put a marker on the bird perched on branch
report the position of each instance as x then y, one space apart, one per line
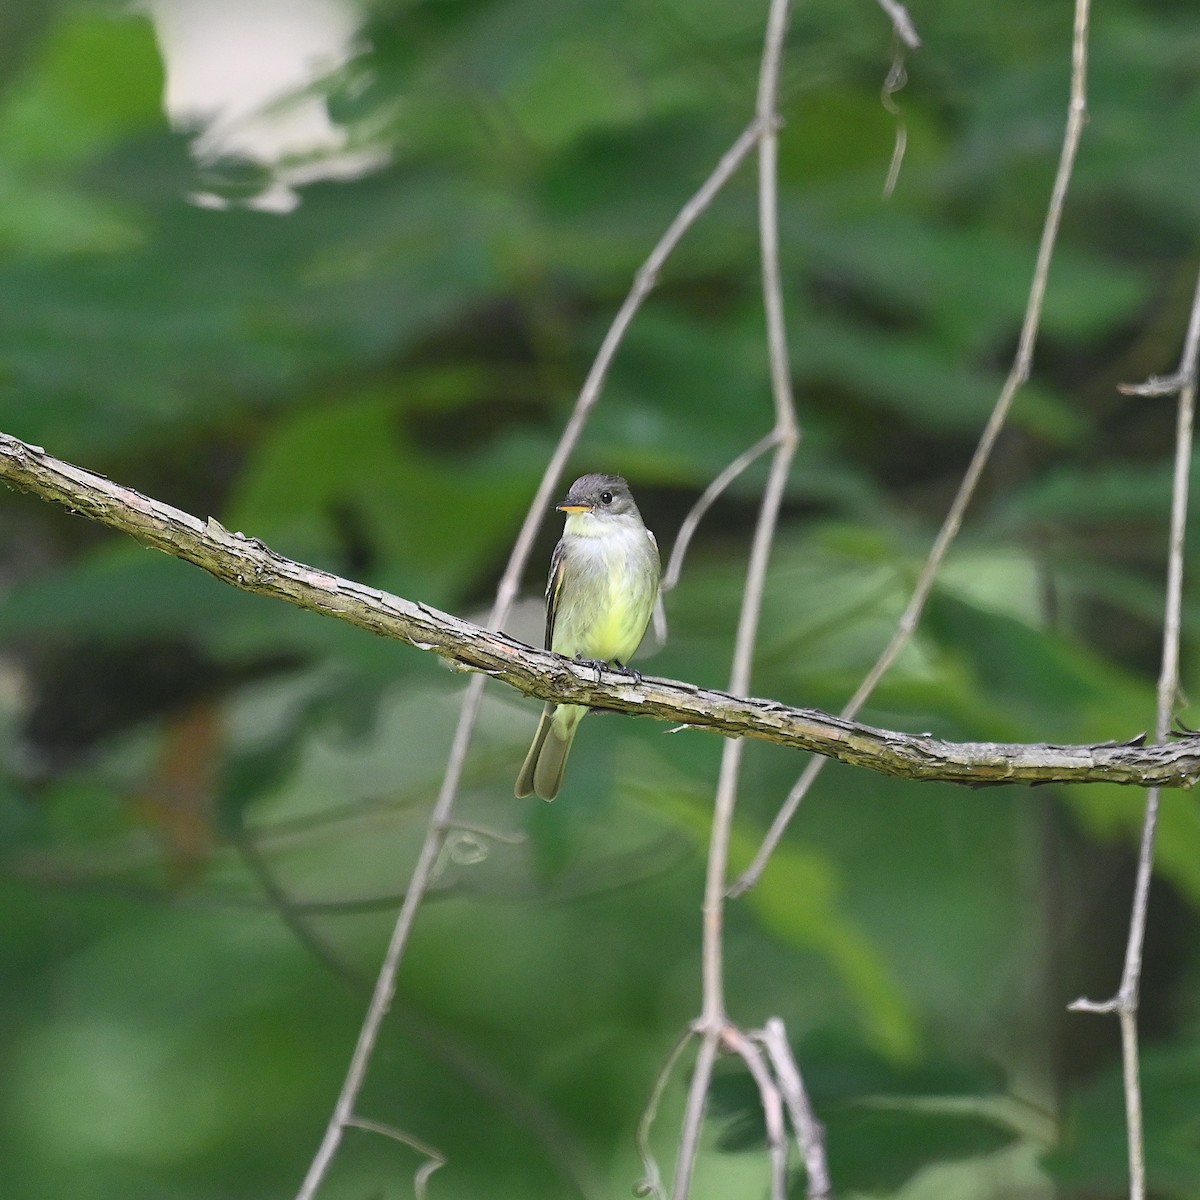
601 592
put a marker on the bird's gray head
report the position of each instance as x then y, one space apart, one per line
600 496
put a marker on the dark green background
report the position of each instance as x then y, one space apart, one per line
373 383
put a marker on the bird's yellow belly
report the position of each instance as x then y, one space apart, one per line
612 638
606 598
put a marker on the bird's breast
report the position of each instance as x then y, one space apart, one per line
607 597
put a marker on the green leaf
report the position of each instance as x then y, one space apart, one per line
351 472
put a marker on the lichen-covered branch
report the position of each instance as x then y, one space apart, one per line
246 563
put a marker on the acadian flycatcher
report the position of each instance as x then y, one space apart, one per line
601 592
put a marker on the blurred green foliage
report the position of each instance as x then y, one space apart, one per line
373 382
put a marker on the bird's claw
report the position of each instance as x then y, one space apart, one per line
597 664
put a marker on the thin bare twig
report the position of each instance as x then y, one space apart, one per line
506 593
1125 1003
1018 374
651 1184
810 1134
707 499
1156 385
693 1118
772 1102
385 986
902 23
713 1019
692 521
487 834
436 1159
897 77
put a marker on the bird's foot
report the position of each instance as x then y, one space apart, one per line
597 664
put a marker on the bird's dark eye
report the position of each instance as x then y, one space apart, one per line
606 497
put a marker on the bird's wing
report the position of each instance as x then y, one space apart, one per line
553 587
654 543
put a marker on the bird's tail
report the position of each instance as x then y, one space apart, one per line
546 763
